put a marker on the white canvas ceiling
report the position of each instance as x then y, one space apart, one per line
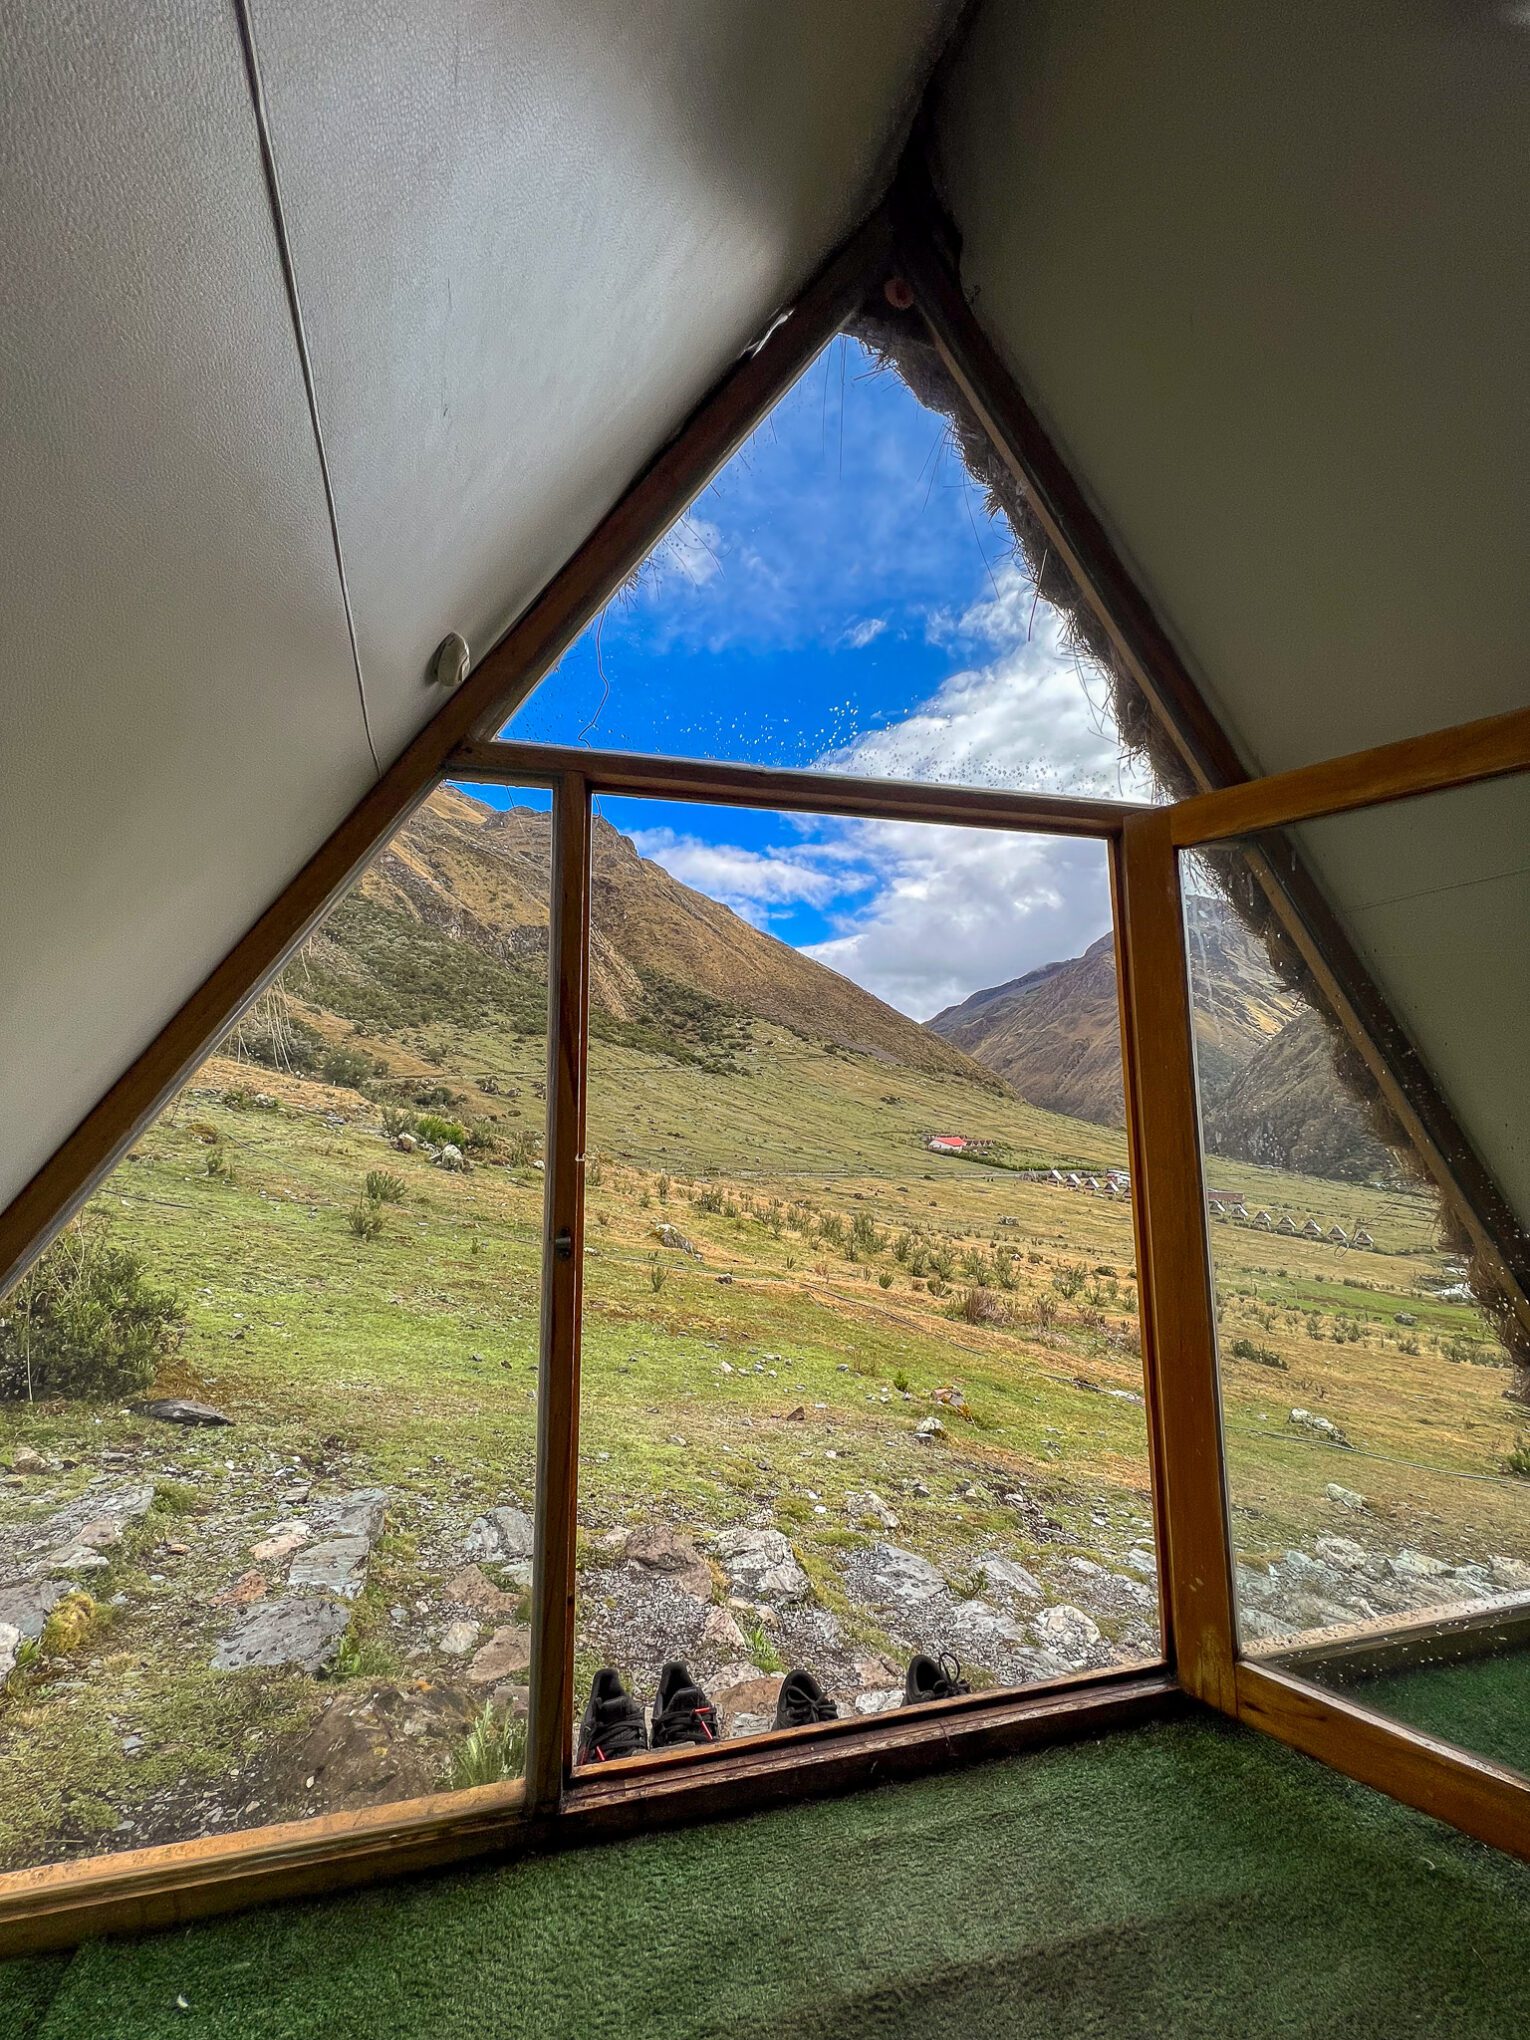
525 241
1265 276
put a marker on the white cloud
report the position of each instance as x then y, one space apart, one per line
957 909
953 909
858 635
1027 719
749 881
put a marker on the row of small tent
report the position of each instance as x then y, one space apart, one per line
1117 1183
1309 1229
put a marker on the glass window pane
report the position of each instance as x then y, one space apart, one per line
861 1376
1374 1376
267 1409
844 598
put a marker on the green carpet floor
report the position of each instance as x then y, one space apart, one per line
1482 1703
1186 1880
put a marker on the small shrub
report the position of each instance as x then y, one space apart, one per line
219 1164
173 1498
658 1274
831 1230
1262 1356
761 1651
1070 1278
365 1219
439 1132
522 1150
1518 1460
394 1122
363 1657
864 1236
1043 1312
662 1187
84 1322
900 1382
383 1187
709 1201
884 1280
491 1753
434 1094
979 1306
348 1068
73 1622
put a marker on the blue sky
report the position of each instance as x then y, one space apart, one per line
838 598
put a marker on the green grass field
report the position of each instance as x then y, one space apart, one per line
408 1361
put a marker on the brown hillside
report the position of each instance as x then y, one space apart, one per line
1055 1035
1286 1110
1269 1090
481 876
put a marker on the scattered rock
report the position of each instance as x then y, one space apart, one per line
247 1589
1142 1558
881 1702
358 1514
300 1630
867 1506
798 1415
1003 1576
372 1745
1405 1317
760 1564
458 1638
720 1633
76 1558
669 1551
748 1708
451 1157
10 1645
1343 1552
506 1655
281 1542
671 1236
25 1460
28 1606
178 1409
1344 1496
892 1577
338 1566
1417 1565
1509 1575
929 1427
978 1630
1066 1631
502 1536
405 1143
1320 1427
472 1588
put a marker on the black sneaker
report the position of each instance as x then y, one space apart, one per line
932 1679
801 1700
682 1713
613 1724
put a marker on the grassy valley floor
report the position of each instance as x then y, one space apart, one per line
783 1285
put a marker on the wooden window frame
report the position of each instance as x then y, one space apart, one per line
555 1805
